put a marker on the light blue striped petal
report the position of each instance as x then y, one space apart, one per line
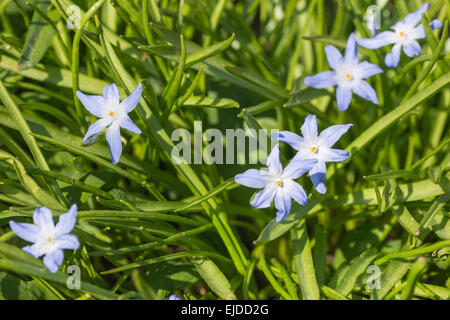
114 142
42 217
365 91
132 100
296 192
274 163
318 174
331 135
282 203
111 94
264 198
412 49
334 57
383 39
253 178
67 241
96 128
309 128
392 58
26 231
66 221
297 167
128 124
321 80
351 51
294 140
94 104
53 260
343 97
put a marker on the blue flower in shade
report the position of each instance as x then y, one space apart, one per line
113 114
404 35
348 75
174 297
49 240
277 183
316 146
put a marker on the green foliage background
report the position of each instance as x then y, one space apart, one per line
149 227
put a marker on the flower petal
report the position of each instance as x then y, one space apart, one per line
414 18
292 139
343 97
297 167
35 250
366 70
333 155
334 57
392 58
274 163
66 221
282 203
309 128
412 49
351 50
132 100
42 217
264 198
253 178
365 91
111 94
26 231
114 142
96 128
318 174
383 39
67 241
94 104
128 124
331 135
296 192
53 260
321 80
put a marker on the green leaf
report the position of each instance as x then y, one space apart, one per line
38 38
208 102
14 288
214 278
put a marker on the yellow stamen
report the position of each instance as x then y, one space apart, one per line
111 114
402 34
278 182
348 76
49 239
313 149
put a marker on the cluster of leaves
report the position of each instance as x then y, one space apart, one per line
149 227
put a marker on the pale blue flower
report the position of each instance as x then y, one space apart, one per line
316 146
404 35
348 75
277 183
174 297
49 240
113 114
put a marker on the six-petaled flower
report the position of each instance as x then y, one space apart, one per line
404 35
48 239
113 114
277 183
316 146
348 75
